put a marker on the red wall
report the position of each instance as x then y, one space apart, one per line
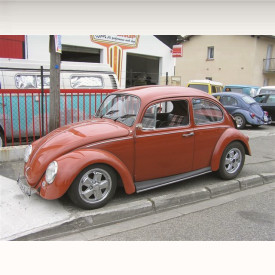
12 46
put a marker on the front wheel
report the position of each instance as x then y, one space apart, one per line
232 161
93 187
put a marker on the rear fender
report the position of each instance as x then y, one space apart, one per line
230 135
71 164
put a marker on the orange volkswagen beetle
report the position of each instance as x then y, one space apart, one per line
145 137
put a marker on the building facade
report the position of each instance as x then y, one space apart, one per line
230 59
136 59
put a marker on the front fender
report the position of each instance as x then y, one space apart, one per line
71 164
230 135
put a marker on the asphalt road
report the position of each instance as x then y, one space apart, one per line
251 218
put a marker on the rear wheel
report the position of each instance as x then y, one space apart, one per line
232 161
93 187
240 121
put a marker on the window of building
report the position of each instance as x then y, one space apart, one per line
210 53
206 112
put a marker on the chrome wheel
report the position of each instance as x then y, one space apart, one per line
95 185
233 160
240 121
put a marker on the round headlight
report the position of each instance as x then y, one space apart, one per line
51 172
28 152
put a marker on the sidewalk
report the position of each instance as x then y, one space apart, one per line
23 216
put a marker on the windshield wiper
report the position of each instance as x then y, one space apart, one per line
109 113
124 116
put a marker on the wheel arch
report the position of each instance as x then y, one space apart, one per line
71 164
229 136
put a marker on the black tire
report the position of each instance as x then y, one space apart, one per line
232 161
93 187
240 121
2 139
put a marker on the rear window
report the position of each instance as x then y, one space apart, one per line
201 87
248 99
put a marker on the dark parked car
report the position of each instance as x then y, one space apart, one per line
267 102
244 109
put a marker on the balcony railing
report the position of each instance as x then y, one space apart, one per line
269 65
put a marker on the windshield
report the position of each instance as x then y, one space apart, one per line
248 99
201 87
120 107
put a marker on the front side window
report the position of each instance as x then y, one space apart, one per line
24 81
210 53
119 107
84 82
206 111
271 99
166 114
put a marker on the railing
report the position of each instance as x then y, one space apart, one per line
269 65
21 112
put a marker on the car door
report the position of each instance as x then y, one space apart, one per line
208 127
164 142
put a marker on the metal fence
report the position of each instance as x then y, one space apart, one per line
22 112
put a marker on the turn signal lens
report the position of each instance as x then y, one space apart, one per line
252 115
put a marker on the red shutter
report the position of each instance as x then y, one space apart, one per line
12 46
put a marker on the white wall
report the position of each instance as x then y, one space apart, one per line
38 49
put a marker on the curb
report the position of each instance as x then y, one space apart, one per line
12 153
120 212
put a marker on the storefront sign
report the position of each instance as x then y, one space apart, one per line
58 46
125 41
115 45
177 51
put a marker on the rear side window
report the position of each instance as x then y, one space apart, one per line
85 82
206 111
228 101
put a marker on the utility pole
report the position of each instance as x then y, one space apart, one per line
55 60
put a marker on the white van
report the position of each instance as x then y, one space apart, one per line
266 90
26 74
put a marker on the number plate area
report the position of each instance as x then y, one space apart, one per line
25 188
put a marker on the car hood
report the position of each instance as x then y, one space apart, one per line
68 138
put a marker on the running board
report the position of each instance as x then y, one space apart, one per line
151 184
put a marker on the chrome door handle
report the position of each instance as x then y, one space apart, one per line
188 135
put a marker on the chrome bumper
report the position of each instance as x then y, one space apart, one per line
24 186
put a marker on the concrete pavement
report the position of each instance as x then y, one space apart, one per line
24 218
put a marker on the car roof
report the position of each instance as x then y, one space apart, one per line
240 86
153 92
268 87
